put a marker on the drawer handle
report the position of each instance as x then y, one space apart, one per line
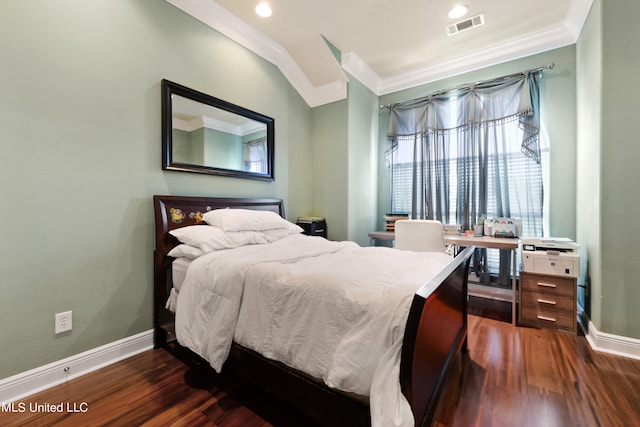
547 285
548 319
546 301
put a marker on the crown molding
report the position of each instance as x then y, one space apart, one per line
220 19
577 16
354 65
564 35
313 95
520 48
223 21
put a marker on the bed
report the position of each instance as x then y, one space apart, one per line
429 353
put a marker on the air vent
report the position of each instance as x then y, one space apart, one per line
465 25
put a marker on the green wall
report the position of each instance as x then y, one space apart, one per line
223 149
182 148
81 159
608 64
558 116
330 153
588 153
345 156
363 162
620 153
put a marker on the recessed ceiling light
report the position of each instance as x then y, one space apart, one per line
458 11
263 9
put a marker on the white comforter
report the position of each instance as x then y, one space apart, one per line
334 310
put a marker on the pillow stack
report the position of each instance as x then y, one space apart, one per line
231 228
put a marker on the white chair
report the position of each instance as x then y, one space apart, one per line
419 235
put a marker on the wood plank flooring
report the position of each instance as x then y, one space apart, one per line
529 377
513 377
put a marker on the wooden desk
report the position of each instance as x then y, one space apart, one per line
478 242
381 235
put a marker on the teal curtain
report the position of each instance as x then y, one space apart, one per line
469 152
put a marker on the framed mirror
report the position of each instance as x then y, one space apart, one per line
204 134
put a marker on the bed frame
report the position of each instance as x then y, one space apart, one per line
434 340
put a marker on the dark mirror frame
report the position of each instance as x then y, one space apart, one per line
170 88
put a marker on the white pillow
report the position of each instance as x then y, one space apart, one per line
208 238
294 228
185 251
278 234
245 220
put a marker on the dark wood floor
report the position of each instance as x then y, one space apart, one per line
513 377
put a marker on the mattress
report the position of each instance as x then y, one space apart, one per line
179 268
334 310
179 271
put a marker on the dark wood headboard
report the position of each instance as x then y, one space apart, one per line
173 212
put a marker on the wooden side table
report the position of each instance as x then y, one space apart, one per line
548 302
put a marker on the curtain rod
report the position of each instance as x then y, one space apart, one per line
531 70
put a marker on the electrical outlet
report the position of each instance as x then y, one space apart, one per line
63 322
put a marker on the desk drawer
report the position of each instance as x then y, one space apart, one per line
540 317
547 301
548 284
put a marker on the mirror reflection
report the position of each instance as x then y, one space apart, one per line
207 135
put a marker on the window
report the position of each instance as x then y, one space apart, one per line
255 159
458 156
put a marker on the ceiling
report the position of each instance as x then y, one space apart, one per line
388 45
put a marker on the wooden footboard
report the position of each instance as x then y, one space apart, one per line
435 334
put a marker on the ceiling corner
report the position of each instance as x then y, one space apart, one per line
220 19
355 66
577 16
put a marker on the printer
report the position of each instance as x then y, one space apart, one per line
553 256
503 227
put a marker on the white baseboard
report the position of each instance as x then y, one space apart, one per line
609 343
30 382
